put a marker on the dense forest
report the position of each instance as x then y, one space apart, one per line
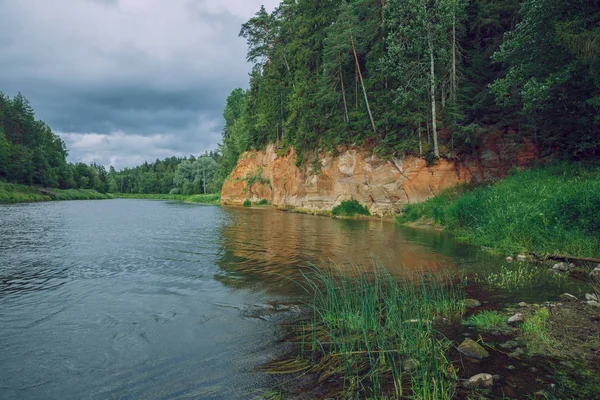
31 154
426 77
174 175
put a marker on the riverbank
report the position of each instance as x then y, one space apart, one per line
13 193
194 198
551 210
438 336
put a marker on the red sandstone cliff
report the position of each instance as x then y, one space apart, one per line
384 186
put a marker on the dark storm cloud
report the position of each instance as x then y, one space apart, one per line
125 81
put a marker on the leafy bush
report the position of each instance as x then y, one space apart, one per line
349 208
263 202
247 203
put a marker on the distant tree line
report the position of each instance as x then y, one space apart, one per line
31 154
175 175
426 77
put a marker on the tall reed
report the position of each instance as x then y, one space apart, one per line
376 332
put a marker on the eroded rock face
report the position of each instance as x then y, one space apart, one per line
384 186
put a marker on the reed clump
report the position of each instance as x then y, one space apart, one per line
375 333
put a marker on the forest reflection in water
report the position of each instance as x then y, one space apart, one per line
263 245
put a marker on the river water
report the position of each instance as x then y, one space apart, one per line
137 299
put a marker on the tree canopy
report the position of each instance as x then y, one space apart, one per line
418 76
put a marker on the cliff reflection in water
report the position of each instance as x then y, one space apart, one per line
264 244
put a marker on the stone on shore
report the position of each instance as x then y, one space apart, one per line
567 297
591 297
516 318
522 304
472 303
562 267
472 349
479 381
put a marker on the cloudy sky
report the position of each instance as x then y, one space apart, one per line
123 81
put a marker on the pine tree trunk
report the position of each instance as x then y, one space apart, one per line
363 86
443 97
344 95
356 86
436 150
420 141
453 79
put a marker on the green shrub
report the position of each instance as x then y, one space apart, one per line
247 203
349 208
263 202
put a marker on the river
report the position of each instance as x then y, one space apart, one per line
131 299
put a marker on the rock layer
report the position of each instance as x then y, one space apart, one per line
384 186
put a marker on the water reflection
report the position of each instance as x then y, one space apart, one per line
263 247
265 244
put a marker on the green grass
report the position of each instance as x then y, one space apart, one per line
193 198
547 210
204 198
13 193
434 210
349 208
489 321
519 276
537 333
595 283
374 333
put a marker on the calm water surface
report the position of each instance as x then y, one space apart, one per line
134 299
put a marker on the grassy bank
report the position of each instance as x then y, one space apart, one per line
369 334
374 334
12 193
194 198
548 210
